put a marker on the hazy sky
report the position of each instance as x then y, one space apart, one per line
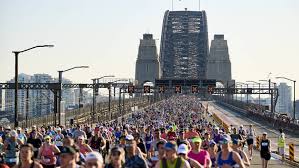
104 34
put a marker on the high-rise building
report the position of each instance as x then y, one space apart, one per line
297 109
68 95
219 65
284 102
184 45
22 94
147 64
42 100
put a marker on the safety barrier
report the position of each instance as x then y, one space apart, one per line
220 122
291 152
257 139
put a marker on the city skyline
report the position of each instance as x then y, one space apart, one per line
105 36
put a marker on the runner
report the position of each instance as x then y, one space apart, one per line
171 158
83 147
11 149
183 153
68 157
26 158
213 152
47 153
133 159
58 138
265 150
157 138
227 158
94 160
116 158
35 140
237 148
200 155
250 140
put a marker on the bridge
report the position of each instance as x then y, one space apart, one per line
219 102
184 61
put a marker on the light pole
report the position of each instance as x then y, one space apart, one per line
109 100
259 91
95 81
60 90
294 101
241 83
17 80
270 92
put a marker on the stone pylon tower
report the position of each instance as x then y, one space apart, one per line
219 65
147 64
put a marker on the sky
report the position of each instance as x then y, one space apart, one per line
104 34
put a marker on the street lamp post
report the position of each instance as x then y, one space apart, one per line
17 80
259 91
294 101
270 92
96 81
60 90
109 100
241 83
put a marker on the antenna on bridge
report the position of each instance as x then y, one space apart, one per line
198 5
268 77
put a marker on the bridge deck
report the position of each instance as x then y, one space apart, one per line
233 118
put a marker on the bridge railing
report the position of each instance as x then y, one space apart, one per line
85 114
254 111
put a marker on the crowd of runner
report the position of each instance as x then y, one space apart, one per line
173 133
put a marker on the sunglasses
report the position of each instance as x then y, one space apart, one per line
224 142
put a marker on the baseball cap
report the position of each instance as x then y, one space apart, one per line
265 133
47 137
8 127
183 148
94 156
19 129
225 139
13 133
129 137
196 139
116 149
170 146
68 150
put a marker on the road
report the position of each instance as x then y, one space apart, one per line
233 118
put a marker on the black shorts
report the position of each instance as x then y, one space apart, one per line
249 142
266 155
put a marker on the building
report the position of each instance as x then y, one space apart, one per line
22 94
42 101
219 65
147 64
184 45
284 102
68 95
297 109
82 98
